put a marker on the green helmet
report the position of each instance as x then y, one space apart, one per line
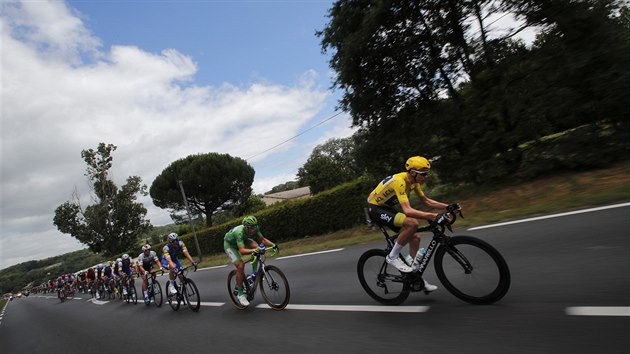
250 221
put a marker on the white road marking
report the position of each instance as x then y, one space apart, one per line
216 267
310 254
97 302
213 304
355 308
598 311
550 216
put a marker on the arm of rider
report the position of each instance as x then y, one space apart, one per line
415 213
189 257
243 250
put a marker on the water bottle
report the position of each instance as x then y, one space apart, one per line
251 278
420 255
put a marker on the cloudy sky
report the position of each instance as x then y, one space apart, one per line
160 80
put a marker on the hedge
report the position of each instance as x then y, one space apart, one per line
338 208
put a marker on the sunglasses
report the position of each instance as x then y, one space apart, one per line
421 173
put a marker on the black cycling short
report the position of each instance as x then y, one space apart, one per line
385 216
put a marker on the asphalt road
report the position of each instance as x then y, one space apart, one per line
570 293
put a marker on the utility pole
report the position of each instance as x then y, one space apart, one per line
181 187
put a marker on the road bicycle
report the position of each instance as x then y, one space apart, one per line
131 295
61 294
105 287
154 290
186 291
469 268
272 282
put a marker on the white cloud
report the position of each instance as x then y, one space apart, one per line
62 93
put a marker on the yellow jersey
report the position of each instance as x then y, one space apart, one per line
393 190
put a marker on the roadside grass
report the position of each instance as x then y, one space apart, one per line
3 302
490 204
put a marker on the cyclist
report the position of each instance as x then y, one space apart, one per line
170 258
395 190
240 240
116 267
145 262
91 280
108 276
126 269
99 278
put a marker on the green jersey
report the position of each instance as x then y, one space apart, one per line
237 236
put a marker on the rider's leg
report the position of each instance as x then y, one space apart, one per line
240 275
409 226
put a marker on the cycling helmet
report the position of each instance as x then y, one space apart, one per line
146 247
119 260
417 163
172 237
250 221
99 266
125 256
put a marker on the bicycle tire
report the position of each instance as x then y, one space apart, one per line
172 299
231 287
133 294
487 282
191 293
378 278
271 286
156 293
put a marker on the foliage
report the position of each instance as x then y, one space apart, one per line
313 215
113 224
16 277
419 79
212 182
330 164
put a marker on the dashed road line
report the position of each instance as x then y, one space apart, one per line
310 254
355 308
598 311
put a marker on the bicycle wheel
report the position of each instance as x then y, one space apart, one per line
383 282
133 296
191 293
172 299
274 287
472 270
156 293
232 289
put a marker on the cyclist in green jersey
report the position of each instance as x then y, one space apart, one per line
395 190
241 240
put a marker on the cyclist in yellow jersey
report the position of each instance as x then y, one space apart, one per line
394 190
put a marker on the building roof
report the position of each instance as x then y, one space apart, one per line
286 195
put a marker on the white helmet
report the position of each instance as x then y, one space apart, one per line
99 266
146 247
172 237
119 260
125 256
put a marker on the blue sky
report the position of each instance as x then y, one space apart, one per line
161 80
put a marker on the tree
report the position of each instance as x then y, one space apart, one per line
212 182
330 164
418 74
115 222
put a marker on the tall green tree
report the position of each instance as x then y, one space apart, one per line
212 182
330 164
114 223
420 79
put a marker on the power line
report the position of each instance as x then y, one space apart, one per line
313 127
